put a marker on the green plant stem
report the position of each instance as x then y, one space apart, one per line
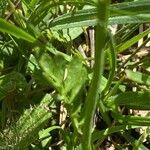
92 97
112 60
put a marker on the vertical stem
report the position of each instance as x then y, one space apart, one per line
92 97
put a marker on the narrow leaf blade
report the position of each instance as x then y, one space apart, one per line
15 31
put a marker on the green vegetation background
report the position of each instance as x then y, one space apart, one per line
59 90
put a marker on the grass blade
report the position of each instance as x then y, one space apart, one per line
123 13
138 77
132 120
133 100
15 31
99 134
132 41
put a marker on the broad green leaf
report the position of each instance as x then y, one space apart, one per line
67 77
76 76
15 31
54 69
133 100
30 123
138 77
34 69
53 65
21 134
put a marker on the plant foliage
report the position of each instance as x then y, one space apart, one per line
74 74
